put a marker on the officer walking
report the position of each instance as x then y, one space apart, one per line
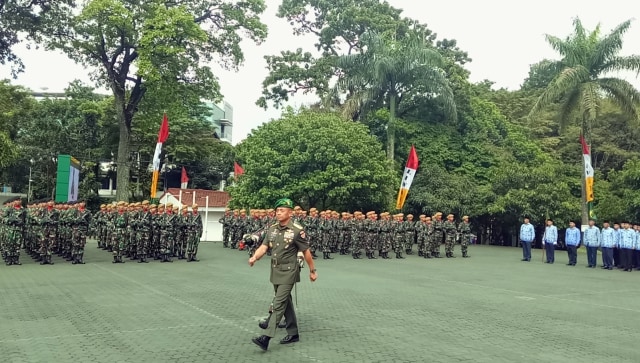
285 239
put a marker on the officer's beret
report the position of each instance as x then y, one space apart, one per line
449 215
465 217
284 202
437 214
120 203
185 207
169 205
152 206
145 202
196 206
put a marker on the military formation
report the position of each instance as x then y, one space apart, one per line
43 229
142 231
354 233
138 231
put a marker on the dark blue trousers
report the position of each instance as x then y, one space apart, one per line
573 254
607 256
526 250
592 256
551 252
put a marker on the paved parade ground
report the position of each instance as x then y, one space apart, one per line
489 308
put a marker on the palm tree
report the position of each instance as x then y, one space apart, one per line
581 82
386 71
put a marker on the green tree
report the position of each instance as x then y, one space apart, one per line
388 71
580 83
25 17
16 105
316 159
137 46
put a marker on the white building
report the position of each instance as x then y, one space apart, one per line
211 205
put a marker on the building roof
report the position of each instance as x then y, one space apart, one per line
217 199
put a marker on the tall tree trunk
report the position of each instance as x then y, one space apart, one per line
124 167
391 131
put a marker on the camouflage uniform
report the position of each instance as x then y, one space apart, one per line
167 233
465 235
438 235
409 234
14 218
326 226
194 234
372 230
226 223
119 236
144 227
49 223
399 228
450 234
79 226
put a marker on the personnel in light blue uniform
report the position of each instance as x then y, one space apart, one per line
617 261
607 242
572 240
592 242
550 240
527 235
628 242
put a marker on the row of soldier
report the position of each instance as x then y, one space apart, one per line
142 230
346 233
42 229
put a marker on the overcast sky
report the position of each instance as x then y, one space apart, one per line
503 37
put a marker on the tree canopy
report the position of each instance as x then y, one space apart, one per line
316 159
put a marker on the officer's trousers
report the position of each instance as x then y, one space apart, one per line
282 306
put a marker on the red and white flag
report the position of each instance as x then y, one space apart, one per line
184 179
163 134
407 178
237 170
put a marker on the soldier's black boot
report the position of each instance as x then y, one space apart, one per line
143 259
355 256
225 245
427 255
80 258
465 255
329 256
368 255
420 253
400 255
16 260
451 255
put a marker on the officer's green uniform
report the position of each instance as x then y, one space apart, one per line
285 242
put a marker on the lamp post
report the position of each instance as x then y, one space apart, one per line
29 192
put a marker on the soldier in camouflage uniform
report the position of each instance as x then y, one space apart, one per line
345 233
464 229
312 228
325 227
226 222
409 234
194 234
428 231
167 233
14 217
420 235
357 234
399 235
438 235
49 223
119 236
450 234
156 230
81 218
182 231
63 247
143 230
372 229
385 235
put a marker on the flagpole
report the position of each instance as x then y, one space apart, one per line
194 198
206 218
180 198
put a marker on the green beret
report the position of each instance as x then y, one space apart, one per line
284 202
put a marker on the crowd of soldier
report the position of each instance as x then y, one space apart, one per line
352 233
43 229
136 230
140 230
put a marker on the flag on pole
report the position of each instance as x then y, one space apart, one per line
163 134
409 172
588 176
184 179
237 170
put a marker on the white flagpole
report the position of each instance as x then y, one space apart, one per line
194 198
206 218
180 198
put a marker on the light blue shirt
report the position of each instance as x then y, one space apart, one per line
550 235
616 235
627 238
527 232
592 237
608 237
572 236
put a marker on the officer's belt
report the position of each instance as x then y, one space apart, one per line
277 262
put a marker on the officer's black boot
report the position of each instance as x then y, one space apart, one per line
354 255
81 258
420 253
369 255
465 254
143 259
329 256
16 260
400 255
73 260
